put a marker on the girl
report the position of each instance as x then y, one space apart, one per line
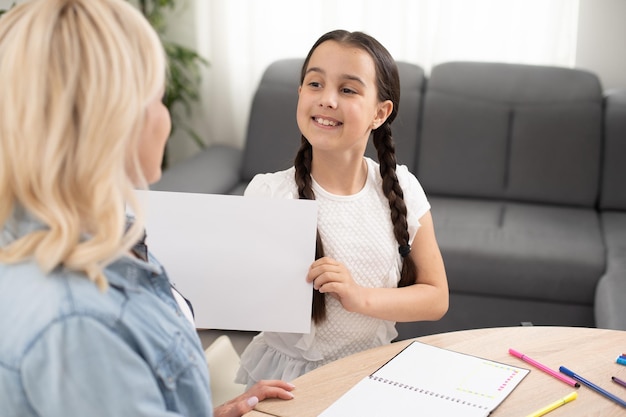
378 261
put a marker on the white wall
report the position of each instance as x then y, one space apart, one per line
182 29
601 40
600 49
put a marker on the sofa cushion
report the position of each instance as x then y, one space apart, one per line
515 132
519 250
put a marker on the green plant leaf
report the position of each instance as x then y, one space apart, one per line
184 69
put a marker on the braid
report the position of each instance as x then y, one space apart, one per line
383 141
302 165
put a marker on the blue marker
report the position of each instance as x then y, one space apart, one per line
593 386
621 360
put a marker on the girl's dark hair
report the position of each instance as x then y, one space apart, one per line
388 85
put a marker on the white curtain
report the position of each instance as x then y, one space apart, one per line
241 37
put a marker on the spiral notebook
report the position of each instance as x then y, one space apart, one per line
432 381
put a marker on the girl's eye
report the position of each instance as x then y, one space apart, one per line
346 90
314 84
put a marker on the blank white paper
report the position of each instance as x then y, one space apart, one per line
241 261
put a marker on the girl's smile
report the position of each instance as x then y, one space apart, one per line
326 121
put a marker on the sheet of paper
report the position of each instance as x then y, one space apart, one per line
241 261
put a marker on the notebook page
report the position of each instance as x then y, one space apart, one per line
465 378
430 381
372 398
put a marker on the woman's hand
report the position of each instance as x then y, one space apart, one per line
332 277
245 402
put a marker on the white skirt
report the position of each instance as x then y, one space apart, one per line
286 356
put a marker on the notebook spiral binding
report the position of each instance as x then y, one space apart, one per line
426 392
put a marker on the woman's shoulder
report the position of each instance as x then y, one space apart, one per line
280 184
36 301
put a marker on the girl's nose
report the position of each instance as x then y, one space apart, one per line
328 99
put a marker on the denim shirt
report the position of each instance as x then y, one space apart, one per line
69 349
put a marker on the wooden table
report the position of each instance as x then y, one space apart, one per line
588 352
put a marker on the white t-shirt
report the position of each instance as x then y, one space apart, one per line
357 231
184 307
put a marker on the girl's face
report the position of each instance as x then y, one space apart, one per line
338 100
156 130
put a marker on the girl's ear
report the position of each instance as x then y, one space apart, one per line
383 111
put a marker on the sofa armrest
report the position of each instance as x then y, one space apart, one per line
609 305
610 309
214 170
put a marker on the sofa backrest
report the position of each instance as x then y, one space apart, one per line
613 193
513 132
273 137
405 129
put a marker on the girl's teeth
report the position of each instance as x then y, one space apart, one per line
326 122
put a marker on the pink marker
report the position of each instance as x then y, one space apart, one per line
544 368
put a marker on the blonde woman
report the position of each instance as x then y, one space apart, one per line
89 325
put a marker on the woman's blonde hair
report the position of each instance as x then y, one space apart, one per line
77 76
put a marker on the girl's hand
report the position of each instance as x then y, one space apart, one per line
240 405
332 277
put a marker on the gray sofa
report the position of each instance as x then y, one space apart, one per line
523 168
